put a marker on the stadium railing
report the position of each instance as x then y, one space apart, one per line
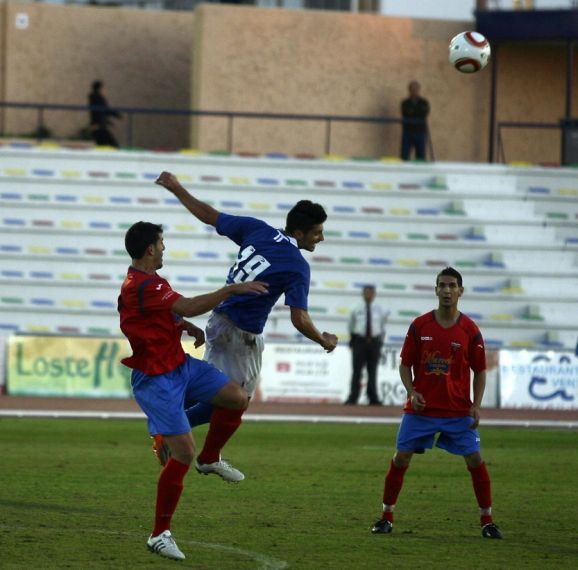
231 116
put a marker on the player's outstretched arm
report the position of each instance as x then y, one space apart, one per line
193 306
301 320
202 211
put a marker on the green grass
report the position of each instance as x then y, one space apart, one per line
80 494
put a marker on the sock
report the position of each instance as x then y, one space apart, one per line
482 489
391 489
224 424
169 489
199 414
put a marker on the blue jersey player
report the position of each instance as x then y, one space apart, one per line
234 341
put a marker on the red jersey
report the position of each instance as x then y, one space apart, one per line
441 360
146 319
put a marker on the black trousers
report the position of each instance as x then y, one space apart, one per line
103 137
365 353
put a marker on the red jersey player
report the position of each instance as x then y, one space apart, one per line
440 349
163 376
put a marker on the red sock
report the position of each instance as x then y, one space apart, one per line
169 489
391 488
224 424
483 491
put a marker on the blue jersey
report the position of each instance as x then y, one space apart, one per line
265 254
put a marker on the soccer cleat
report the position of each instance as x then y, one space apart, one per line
221 468
164 545
161 449
382 527
490 530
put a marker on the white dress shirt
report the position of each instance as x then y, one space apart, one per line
358 320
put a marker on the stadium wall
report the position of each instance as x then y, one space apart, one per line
143 57
247 59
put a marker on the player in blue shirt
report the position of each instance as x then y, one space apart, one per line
234 341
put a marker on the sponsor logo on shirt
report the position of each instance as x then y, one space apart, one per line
427 338
435 364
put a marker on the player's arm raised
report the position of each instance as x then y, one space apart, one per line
301 320
202 211
193 306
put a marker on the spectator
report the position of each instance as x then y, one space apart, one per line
367 333
414 111
100 114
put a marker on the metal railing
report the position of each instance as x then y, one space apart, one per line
230 116
516 125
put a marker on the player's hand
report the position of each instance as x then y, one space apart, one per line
475 413
168 180
194 331
256 287
329 341
417 401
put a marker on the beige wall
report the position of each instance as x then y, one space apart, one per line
240 58
260 60
144 58
532 88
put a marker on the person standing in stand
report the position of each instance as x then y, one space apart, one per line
367 334
100 114
414 111
440 349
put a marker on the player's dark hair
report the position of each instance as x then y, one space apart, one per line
450 272
304 215
139 236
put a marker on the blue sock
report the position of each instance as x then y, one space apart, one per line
199 414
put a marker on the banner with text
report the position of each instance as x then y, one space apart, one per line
305 373
531 379
70 366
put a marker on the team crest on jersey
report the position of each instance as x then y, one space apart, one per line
455 346
435 364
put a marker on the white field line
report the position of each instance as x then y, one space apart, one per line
266 562
80 414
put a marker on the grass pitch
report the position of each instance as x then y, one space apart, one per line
80 494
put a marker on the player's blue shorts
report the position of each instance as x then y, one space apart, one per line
162 397
416 433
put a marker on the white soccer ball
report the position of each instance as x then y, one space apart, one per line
469 52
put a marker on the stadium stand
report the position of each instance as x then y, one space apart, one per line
511 231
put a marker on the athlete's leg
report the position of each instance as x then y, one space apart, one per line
482 485
170 484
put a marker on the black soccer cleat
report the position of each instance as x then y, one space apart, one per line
490 530
382 527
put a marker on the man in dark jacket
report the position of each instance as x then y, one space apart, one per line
99 116
414 111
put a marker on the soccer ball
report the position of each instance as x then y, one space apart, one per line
469 52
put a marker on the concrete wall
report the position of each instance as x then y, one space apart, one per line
241 58
532 88
143 57
261 60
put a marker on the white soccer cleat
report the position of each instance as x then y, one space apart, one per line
164 545
221 468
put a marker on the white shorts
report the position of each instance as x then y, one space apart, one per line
235 352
